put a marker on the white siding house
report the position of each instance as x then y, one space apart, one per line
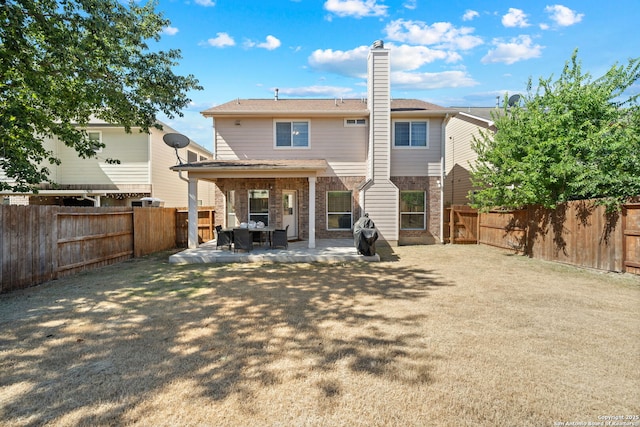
143 171
460 156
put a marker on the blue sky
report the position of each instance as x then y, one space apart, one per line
451 53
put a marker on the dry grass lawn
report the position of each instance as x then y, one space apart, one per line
434 335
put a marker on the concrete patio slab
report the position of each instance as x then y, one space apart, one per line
326 250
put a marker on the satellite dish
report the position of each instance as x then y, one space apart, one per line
176 140
513 100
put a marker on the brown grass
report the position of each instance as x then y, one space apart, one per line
435 335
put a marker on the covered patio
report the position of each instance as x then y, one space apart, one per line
326 250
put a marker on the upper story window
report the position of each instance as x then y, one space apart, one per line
95 138
355 122
292 134
410 134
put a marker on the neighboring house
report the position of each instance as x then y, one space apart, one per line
143 171
459 155
317 165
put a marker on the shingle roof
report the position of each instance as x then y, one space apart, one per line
275 164
482 112
312 106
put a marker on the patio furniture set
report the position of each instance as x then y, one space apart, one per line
243 238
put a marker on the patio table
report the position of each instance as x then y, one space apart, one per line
268 230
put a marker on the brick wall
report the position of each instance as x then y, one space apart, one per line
429 184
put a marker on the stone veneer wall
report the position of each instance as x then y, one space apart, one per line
429 184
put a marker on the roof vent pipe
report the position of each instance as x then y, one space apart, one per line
378 44
275 98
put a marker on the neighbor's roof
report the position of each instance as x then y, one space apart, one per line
480 112
335 107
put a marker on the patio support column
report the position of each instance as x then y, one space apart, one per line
312 212
192 216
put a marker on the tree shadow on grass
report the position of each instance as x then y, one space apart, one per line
95 347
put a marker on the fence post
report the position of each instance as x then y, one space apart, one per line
452 225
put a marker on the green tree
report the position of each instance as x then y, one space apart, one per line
573 138
64 61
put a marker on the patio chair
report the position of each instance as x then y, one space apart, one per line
242 240
279 238
223 238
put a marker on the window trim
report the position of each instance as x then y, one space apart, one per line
423 213
99 132
258 213
410 147
191 153
350 213
291 147
355 122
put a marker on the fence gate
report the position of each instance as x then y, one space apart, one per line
462 226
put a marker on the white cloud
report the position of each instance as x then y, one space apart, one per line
271 43
318 92
405 57
222 40
355 8
563 16
544 26
411 4
515 18
351 63
441 34
170 31
469 15
518 49
421 81
206 3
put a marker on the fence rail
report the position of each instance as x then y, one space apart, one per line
579 233
41 243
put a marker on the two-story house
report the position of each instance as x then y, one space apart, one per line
461 131
317 165
143 171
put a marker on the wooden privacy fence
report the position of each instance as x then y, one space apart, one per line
631 232
461 225
41 243
578 233
206 220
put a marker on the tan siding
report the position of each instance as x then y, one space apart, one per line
459 156
130 149
167 184
380 105
419 161
344 148
381 203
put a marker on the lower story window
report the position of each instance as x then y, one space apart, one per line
259 206
339 208
412 210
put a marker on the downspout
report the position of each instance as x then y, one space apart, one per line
96 200
443 141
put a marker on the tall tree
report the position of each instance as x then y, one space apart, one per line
64 61
573 138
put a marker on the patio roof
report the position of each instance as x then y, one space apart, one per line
253 168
